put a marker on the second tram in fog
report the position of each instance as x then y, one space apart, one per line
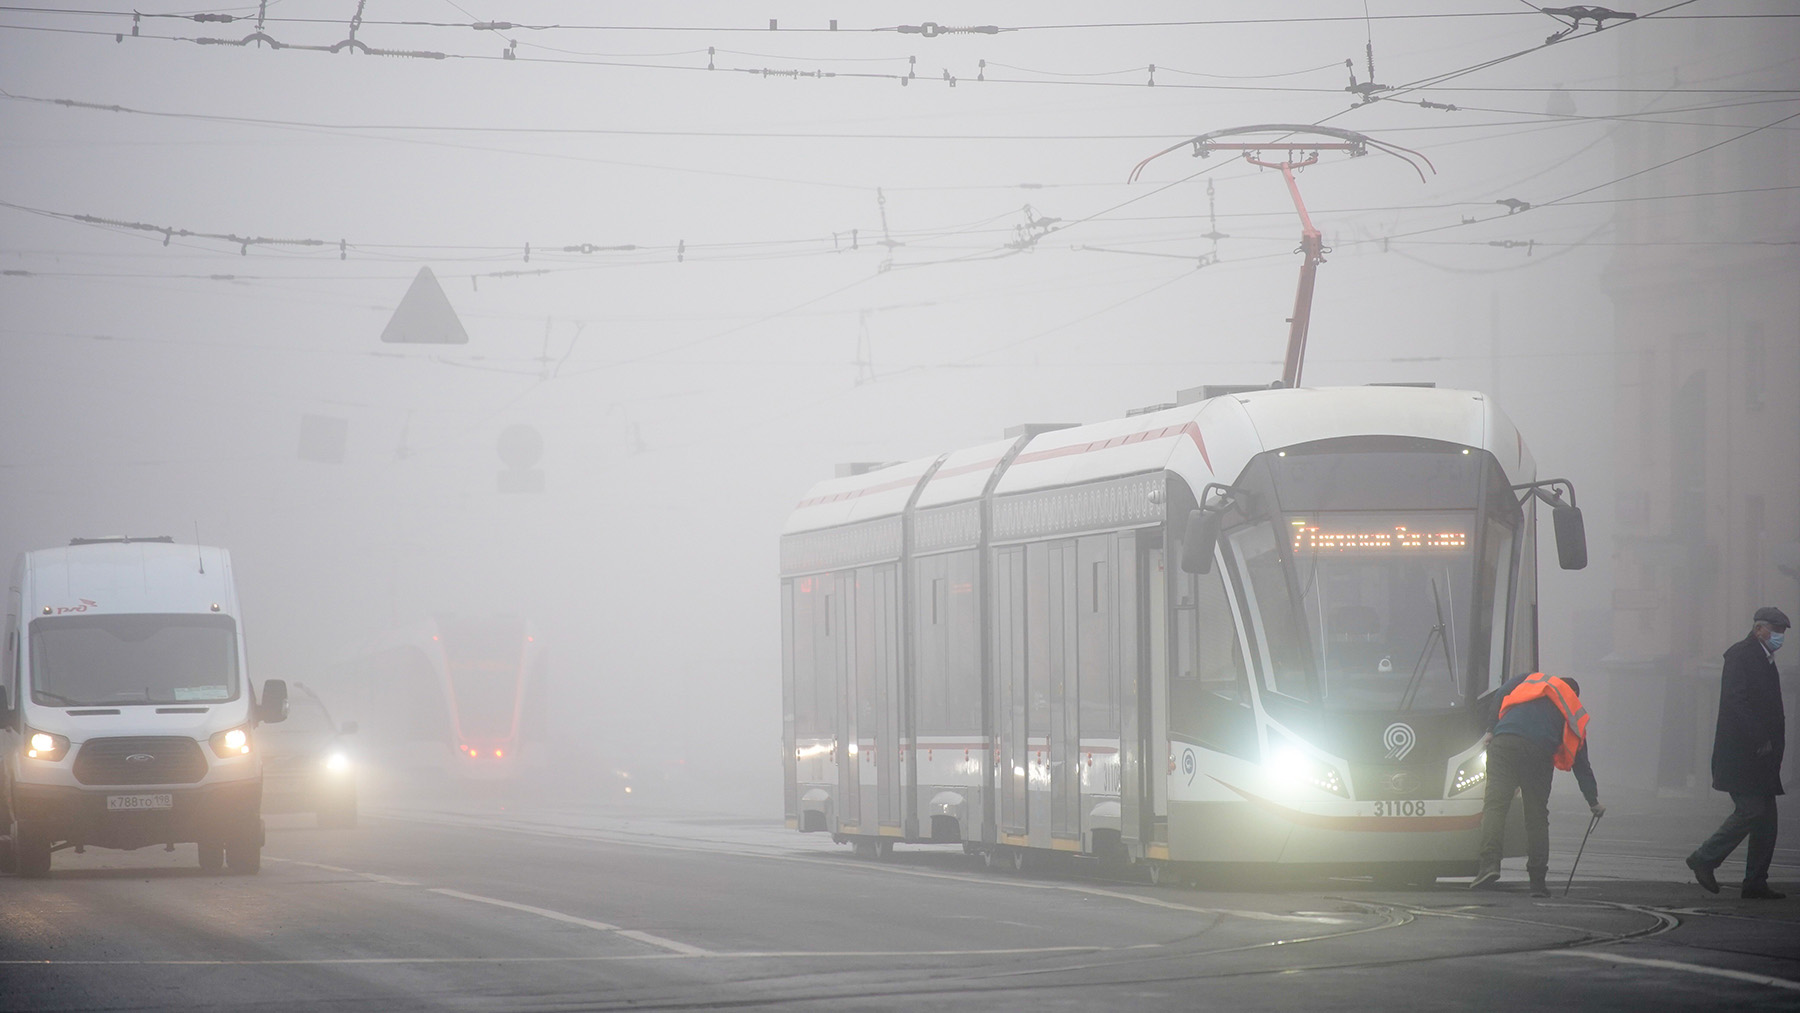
1259 627
460 695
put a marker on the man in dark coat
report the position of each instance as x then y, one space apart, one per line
1746 758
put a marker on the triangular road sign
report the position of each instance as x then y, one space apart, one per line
425 316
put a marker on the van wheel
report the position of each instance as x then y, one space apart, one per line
243 852
212 857
244 857
31 850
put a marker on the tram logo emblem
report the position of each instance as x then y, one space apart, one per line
1399 738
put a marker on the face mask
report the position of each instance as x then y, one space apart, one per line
1775 640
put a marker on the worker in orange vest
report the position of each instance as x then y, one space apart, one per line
1541 727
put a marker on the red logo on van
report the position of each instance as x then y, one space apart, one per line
86 603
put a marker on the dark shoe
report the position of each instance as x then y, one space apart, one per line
1485 879
1703 874
1538 887
1761 892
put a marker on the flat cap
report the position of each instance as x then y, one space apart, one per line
1771 615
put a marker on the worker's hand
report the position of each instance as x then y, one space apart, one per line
1765 749
1597 809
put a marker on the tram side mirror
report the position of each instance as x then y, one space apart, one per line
1198 539
1571 537
274 706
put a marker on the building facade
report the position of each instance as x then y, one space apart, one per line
1705 284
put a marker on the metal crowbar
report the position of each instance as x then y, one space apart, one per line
1584 837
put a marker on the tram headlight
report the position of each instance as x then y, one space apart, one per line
1289 764
338 762
1470 775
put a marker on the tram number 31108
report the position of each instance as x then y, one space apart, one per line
1406 808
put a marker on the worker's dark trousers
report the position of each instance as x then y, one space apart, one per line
1516 763
1754 818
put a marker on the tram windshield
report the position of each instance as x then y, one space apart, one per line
1379 581
1387 598
484 659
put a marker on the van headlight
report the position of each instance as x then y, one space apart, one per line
1290 764
45 745
231 742
1471 775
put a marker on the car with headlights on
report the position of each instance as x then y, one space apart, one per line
307 764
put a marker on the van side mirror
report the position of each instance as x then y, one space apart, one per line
347 728
274 706
1199 537
1571 537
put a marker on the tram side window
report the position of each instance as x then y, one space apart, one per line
948 668
1524 629
1096 657
866 657
815 669
800 654
962 656
1495 572
1209 692
1283 633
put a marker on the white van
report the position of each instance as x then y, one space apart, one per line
126 713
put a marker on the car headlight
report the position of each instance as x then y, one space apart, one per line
1471 775
337 763
1289 764
231 742
45 745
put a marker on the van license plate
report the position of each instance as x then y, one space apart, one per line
133 802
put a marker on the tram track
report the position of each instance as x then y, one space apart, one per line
976 984
1171 963
1394 916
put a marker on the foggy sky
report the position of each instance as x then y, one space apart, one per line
685 406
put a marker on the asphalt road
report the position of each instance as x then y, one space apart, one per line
475 905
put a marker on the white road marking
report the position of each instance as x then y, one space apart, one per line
671 945
670 844
1676 965
373 877
642 937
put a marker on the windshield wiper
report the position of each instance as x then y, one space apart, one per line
1438 634
56 698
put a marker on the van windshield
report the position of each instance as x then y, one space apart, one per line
89 660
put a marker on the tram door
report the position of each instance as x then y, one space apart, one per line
840 640
886 623
1151 788
1126 625
874 650
1011 757
1062 752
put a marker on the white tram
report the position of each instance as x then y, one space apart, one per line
1257 627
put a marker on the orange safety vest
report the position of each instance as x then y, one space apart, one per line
1575 716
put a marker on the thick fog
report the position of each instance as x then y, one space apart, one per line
705 288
